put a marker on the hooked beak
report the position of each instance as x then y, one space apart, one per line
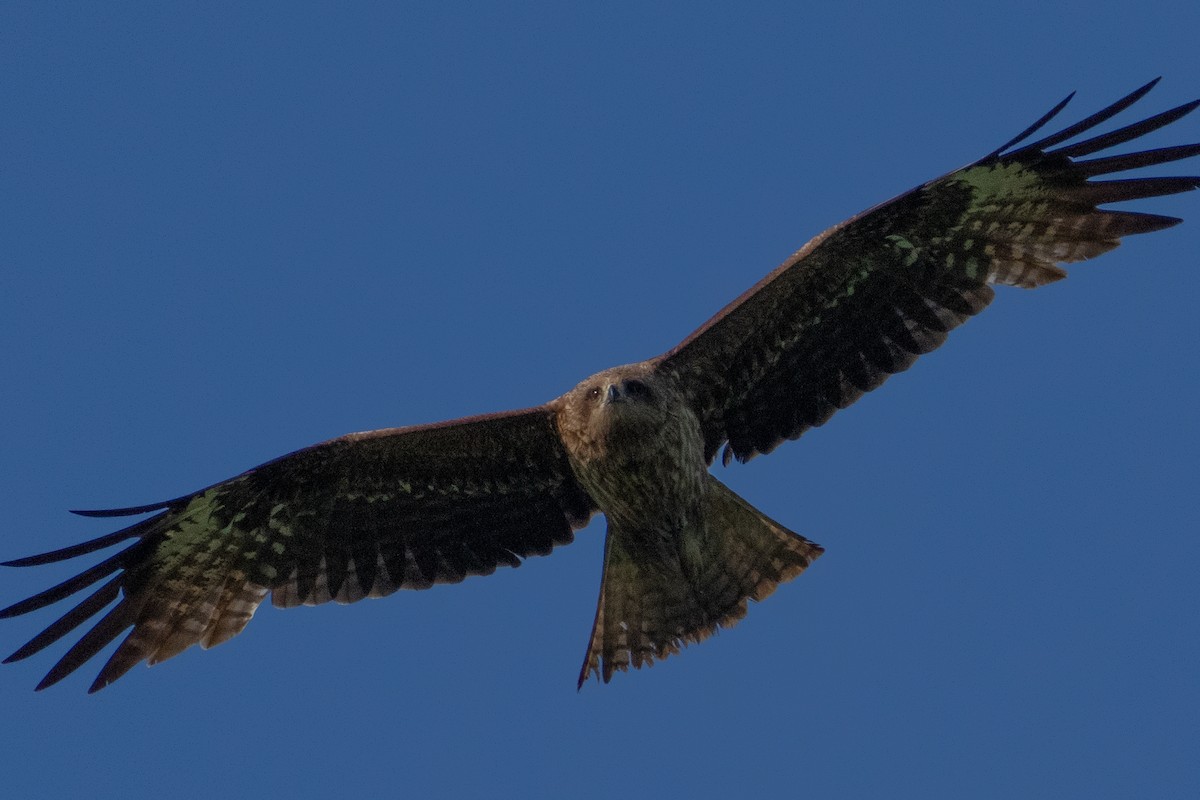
630 389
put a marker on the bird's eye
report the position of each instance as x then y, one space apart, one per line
593 393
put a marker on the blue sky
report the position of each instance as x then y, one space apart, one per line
233 231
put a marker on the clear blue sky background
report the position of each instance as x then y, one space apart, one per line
233 230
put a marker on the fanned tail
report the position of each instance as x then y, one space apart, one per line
655 600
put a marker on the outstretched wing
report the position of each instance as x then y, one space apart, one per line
864 299
360 516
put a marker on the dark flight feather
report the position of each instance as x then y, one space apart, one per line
83 548
1087 123
1128 133
1145 158
70 621
862 300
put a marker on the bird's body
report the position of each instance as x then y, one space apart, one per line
684 553
635 446
406 508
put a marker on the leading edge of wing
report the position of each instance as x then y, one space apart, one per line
736 327
1111 164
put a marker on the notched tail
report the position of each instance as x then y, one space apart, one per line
653 603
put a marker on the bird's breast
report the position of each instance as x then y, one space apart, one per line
645 471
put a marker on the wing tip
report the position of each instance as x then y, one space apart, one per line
83 548
1034 128
1157 222
127 512
1085 124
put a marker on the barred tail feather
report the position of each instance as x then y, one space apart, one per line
757 553
655 602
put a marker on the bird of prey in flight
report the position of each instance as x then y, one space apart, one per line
406 508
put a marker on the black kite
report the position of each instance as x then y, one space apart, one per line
406 508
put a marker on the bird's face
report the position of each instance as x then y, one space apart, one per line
628 390
622 402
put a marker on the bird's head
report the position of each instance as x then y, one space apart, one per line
626 401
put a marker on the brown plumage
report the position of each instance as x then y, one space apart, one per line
407 508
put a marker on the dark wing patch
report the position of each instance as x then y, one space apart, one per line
863 300
360 516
